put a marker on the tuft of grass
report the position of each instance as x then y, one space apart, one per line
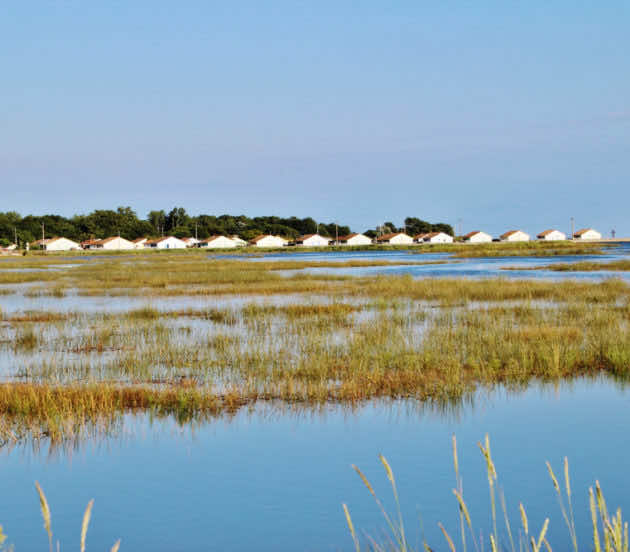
26 339
45 509
622 265
46 515
612 527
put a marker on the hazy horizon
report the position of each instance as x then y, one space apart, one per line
504 116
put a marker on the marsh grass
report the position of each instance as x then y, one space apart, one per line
26 339
344 340
621 265
528 249
58 413
612 528
341 352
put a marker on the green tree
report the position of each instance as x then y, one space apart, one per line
157 220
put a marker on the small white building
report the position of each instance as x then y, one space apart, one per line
115 243
190 242
476 236
587 234
395 238
354 239
552 235
167 242
515 236
267 240
419 238
139 243
312 240
239 242
56 244
437 237
217 242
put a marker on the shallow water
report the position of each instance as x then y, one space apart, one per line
276 481
72 302
478 267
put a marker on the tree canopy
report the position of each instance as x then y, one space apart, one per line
177 222
412 226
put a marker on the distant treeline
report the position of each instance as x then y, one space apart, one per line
176 222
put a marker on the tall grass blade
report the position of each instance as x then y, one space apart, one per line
567 483
43 504
508 527
86 521
492 477
351 527
524 521
458 493
596 542
387 517
448 538
392 480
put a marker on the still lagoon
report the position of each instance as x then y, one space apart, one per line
274 480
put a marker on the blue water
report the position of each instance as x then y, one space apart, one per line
481 267
276 481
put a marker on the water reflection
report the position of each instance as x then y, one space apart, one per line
478 267
272 478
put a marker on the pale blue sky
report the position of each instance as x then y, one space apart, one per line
503 114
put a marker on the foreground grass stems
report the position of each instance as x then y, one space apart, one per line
612 527
45 510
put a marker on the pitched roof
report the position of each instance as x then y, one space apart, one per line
138 240
433 234
158 240
260 237
307 236
546 233
509 233
584 231
112 238
349 236
212 238
473 233
49 240
387 237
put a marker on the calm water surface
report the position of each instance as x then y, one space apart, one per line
270 480
275 481
479 267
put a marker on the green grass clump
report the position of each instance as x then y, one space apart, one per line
622 265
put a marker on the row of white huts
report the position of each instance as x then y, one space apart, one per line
118 243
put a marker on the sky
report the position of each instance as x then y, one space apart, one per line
492 115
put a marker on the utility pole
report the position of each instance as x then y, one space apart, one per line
572 228
43 233
196 239
336 232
